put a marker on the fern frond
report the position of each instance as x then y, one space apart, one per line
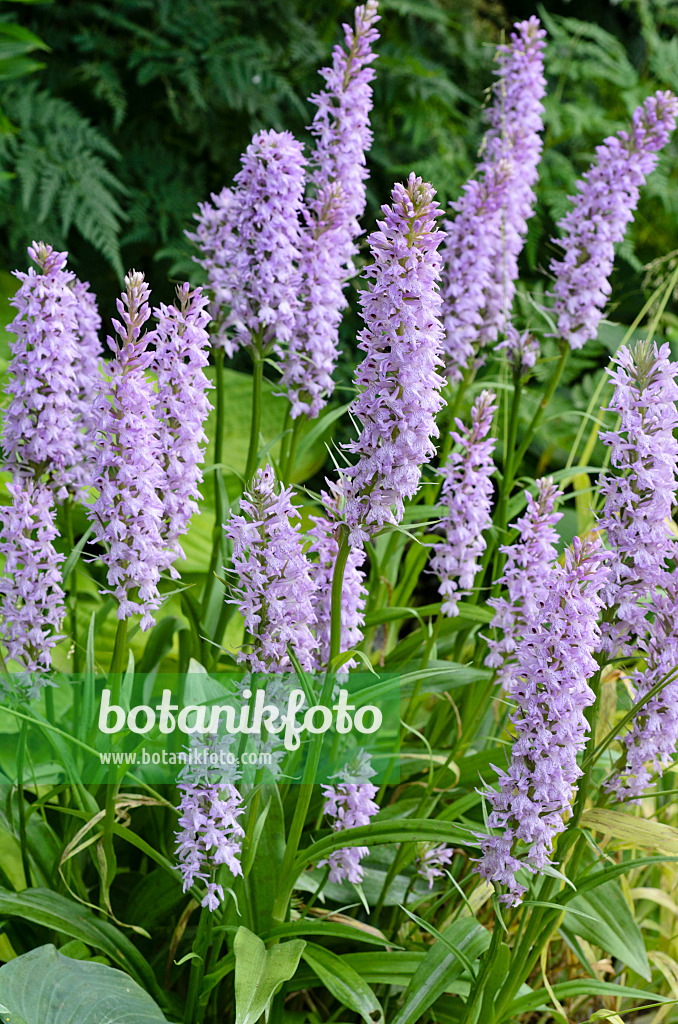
59 159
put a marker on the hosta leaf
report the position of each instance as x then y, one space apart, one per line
61 914
259 972
44 987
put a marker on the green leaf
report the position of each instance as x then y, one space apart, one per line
51 910
345 984
399 831
17 67
582 987
440 966
613 928
74 556
44 987
266 865
8 1017
327 928
15 41
259 972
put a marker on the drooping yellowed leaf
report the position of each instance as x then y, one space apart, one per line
633 831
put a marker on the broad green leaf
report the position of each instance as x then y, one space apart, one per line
44 987
345 984
398 831
613 928
441 966
631 830
358 932
8 1017
265 869
394 968
587 987
259 973
15 40
57 912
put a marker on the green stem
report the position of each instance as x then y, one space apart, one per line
541 408
194 1013
477 992
219 429
23 841
288 467
501 521
433 636
287 871
118 665
255 429
337 594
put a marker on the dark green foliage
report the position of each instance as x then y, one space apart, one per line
61 178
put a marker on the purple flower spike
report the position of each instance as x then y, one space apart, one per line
89 368
640 493
606 197
488 231
53 371
555 661
31 596
467 493
274 589
529 561
650 745
252 245
182 344
210 836
399 375
350 804
128 513
343 136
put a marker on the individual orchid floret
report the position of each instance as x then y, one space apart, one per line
350 804
651 743
488 231
341 127
606 198
32 604
551 691
527 574
274 588
434 862
182 346
128 513
466 494
640 490
324 549
399 379
253 244
51 374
